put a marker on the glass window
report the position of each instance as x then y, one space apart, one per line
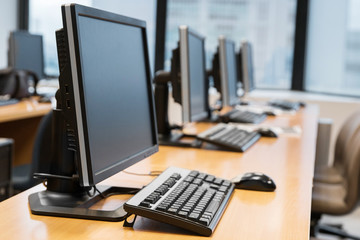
333 47
268 25
45 18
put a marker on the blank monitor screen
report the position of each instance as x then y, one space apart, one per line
193 76
26 52
115 107
197 75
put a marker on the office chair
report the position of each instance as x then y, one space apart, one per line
335 173
339 198
22 176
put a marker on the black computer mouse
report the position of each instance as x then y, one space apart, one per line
254 181
267 132
302 104
270 113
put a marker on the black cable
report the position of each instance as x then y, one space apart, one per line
100 193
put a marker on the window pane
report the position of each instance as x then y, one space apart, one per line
45 18
333 47
268 25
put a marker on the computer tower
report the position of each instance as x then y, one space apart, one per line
6 159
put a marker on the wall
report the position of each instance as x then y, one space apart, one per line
8 22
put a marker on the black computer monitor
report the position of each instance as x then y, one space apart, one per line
26 52
189 85
105 118
246 67
224 72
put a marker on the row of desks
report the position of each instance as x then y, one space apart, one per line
283 214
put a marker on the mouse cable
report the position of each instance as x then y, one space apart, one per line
151 173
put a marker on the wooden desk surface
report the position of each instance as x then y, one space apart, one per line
20 122
283 214
27 108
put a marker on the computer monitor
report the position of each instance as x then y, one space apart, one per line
246 67
224 72
189 85
105 118
26 52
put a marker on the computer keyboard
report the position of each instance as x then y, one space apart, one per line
8 102
239 116
185 198
229 137
285 105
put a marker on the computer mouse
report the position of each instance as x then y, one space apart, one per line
270 113
267 132
302 104
254 181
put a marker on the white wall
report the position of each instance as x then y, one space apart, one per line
8 22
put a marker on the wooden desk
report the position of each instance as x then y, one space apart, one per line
283 214
19 122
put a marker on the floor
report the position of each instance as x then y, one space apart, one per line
351 223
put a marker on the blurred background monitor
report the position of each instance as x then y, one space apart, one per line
224 72
246 67
26 52
193 75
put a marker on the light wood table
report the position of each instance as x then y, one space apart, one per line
19 122
283 214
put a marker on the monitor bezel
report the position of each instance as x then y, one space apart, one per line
71 12
224 80
184 32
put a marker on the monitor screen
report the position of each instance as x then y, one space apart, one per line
228 72
246 76
193 75
111 101
26 52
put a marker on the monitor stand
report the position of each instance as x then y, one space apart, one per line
179 140
64 197
167 135
77 205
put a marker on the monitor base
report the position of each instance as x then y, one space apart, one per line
179 140
77 205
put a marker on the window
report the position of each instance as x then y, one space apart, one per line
333 47
268 25
45 18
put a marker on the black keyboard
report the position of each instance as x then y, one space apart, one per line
230 137
8 102
239 116
188 199
285 105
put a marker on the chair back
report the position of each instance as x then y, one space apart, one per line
352 170
346 134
